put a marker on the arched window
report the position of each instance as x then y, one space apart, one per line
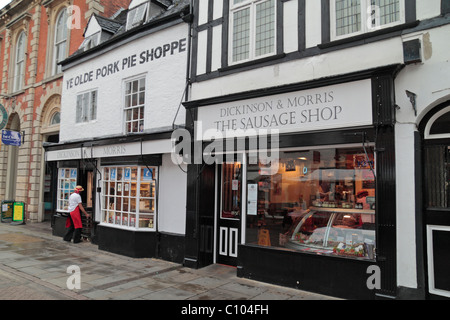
438 126
19 63
60 40
56 119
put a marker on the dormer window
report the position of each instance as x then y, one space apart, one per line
137 15
91 41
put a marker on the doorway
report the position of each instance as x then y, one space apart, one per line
435 129
50 179
229 213
13 160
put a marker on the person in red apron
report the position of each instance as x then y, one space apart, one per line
73 222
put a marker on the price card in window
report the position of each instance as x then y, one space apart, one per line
73 173
252 199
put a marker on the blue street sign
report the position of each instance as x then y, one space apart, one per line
11 138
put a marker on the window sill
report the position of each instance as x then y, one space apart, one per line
252 62
115 226
52 78
86 122
369 35
16 93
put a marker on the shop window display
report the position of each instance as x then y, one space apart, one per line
319 201
129 197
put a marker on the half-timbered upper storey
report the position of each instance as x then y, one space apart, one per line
302 40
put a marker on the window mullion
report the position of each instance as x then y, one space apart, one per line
138 194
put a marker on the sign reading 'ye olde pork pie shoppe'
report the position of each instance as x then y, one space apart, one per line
336 106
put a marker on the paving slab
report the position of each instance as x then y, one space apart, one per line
33 266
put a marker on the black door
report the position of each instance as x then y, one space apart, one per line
437 218
229 212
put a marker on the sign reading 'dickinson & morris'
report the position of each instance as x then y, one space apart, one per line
335 106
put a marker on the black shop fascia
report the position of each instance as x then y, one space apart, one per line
327 208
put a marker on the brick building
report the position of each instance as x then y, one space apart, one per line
34 36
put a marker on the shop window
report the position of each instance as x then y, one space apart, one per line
134 105
319 201
253 26
86 107
129 197
353 17
67 181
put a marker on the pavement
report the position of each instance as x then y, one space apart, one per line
35 265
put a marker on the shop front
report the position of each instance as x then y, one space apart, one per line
303 182
127 187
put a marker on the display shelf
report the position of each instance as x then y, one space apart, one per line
346 232
361 211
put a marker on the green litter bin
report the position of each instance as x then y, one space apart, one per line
7 210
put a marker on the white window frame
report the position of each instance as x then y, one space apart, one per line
91 41
366 10
110 207
84 112
138 105
252 41
60 46
137 15
66 185
19 62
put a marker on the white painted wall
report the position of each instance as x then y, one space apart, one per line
428 9
377 54
313 16
216 59
429 81
172 197
203 12
92 28
201 55
290 26
165 84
